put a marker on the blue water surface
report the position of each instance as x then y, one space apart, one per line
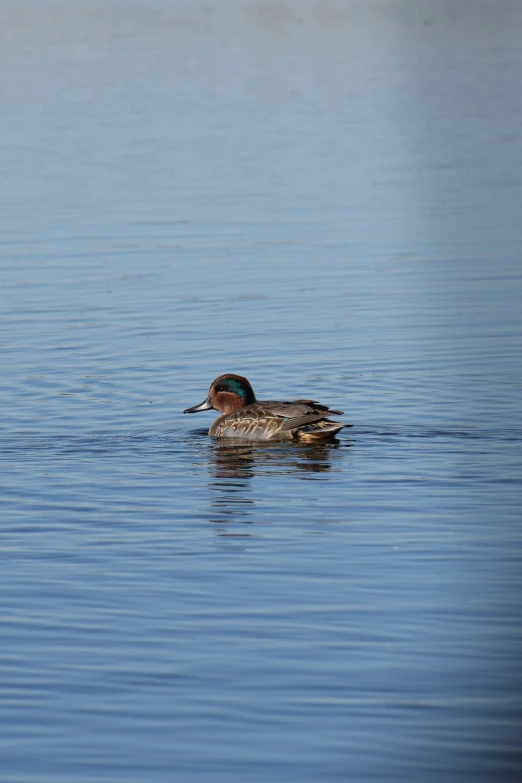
323 196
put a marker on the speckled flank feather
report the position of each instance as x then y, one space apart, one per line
304 420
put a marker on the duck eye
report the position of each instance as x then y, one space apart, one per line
220 388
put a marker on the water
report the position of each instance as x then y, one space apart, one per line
324 197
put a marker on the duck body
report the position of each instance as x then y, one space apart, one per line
242 416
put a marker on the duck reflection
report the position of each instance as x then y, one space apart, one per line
233 465
243 461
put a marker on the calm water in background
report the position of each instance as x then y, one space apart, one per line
325 197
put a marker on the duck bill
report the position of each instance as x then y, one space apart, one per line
203 406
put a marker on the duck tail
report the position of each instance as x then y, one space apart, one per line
320 430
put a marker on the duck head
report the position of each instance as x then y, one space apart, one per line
227 394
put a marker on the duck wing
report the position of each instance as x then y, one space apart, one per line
299 413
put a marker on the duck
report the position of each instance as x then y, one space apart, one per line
243 416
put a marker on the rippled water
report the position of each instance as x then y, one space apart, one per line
324 197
